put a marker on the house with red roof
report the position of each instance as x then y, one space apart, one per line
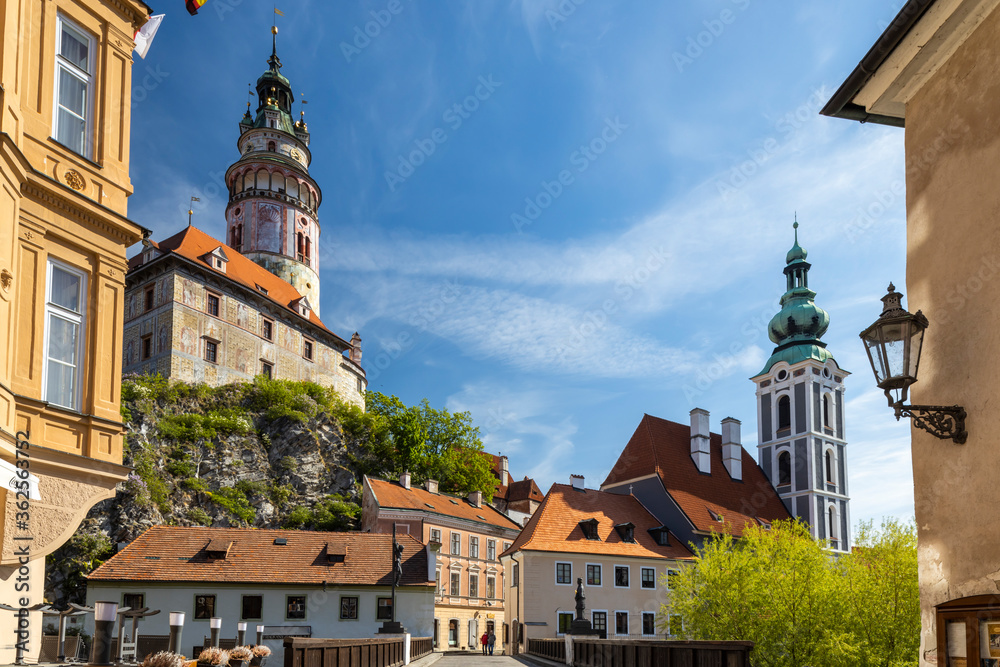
519 499
694 481
467 535
612 544
292 582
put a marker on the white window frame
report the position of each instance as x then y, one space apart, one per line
628 622
586 575
80 319
438 531
456 539
642 623
642 579
473 546
628 569
829 449
87 77
493 578
555 573
491 549
672 571
474 576
599 611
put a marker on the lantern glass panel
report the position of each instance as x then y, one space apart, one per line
916 343
895 338
873 345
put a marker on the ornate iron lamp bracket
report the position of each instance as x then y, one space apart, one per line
942 421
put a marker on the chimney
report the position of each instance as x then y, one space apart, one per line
700 451
576 481
431 485
404 480
504 472
355 353
732 450
476 498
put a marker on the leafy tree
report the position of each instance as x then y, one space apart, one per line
429 443
798 603
882 595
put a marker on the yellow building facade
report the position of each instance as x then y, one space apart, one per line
65 88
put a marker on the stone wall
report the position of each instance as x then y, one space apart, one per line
180 327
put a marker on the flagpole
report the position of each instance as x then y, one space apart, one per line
191 210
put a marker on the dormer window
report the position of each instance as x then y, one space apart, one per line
335 554
715 515
218 549
661 535
217 259
626 531
589 528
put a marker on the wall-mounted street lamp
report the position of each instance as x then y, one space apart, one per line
893 344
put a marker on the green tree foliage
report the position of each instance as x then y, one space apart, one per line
429 443
800 605
882 594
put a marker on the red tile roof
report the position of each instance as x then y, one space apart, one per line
663 448
176 554
555 526
193 244
392 495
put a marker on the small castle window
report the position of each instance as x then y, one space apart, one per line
271 146
829 466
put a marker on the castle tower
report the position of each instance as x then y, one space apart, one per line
272 216
800 411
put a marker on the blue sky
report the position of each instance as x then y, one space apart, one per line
596 231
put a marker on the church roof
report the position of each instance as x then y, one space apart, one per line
555 526
193 244
663 448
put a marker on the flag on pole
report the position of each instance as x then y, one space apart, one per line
144 36
194 5
278 12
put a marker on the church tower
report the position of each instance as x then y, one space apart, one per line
272 216
800 411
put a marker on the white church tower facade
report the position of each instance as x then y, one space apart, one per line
802 445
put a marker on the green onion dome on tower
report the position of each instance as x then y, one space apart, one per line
796 328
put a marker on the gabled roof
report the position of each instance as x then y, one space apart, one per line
193 244
392 495
663 448
178 554
555 526
526 489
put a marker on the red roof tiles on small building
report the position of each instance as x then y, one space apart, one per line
555 526
179 554
392 495
663 448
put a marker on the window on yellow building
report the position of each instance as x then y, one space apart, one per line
491 587
64 326
74 83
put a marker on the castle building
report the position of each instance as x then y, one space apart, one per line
65 118
800 411
200 310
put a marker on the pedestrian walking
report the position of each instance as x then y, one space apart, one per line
484 640
492 640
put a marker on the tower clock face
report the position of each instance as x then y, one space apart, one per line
296 155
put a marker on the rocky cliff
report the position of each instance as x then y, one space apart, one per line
267 454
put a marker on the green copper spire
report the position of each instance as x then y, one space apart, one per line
796 328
